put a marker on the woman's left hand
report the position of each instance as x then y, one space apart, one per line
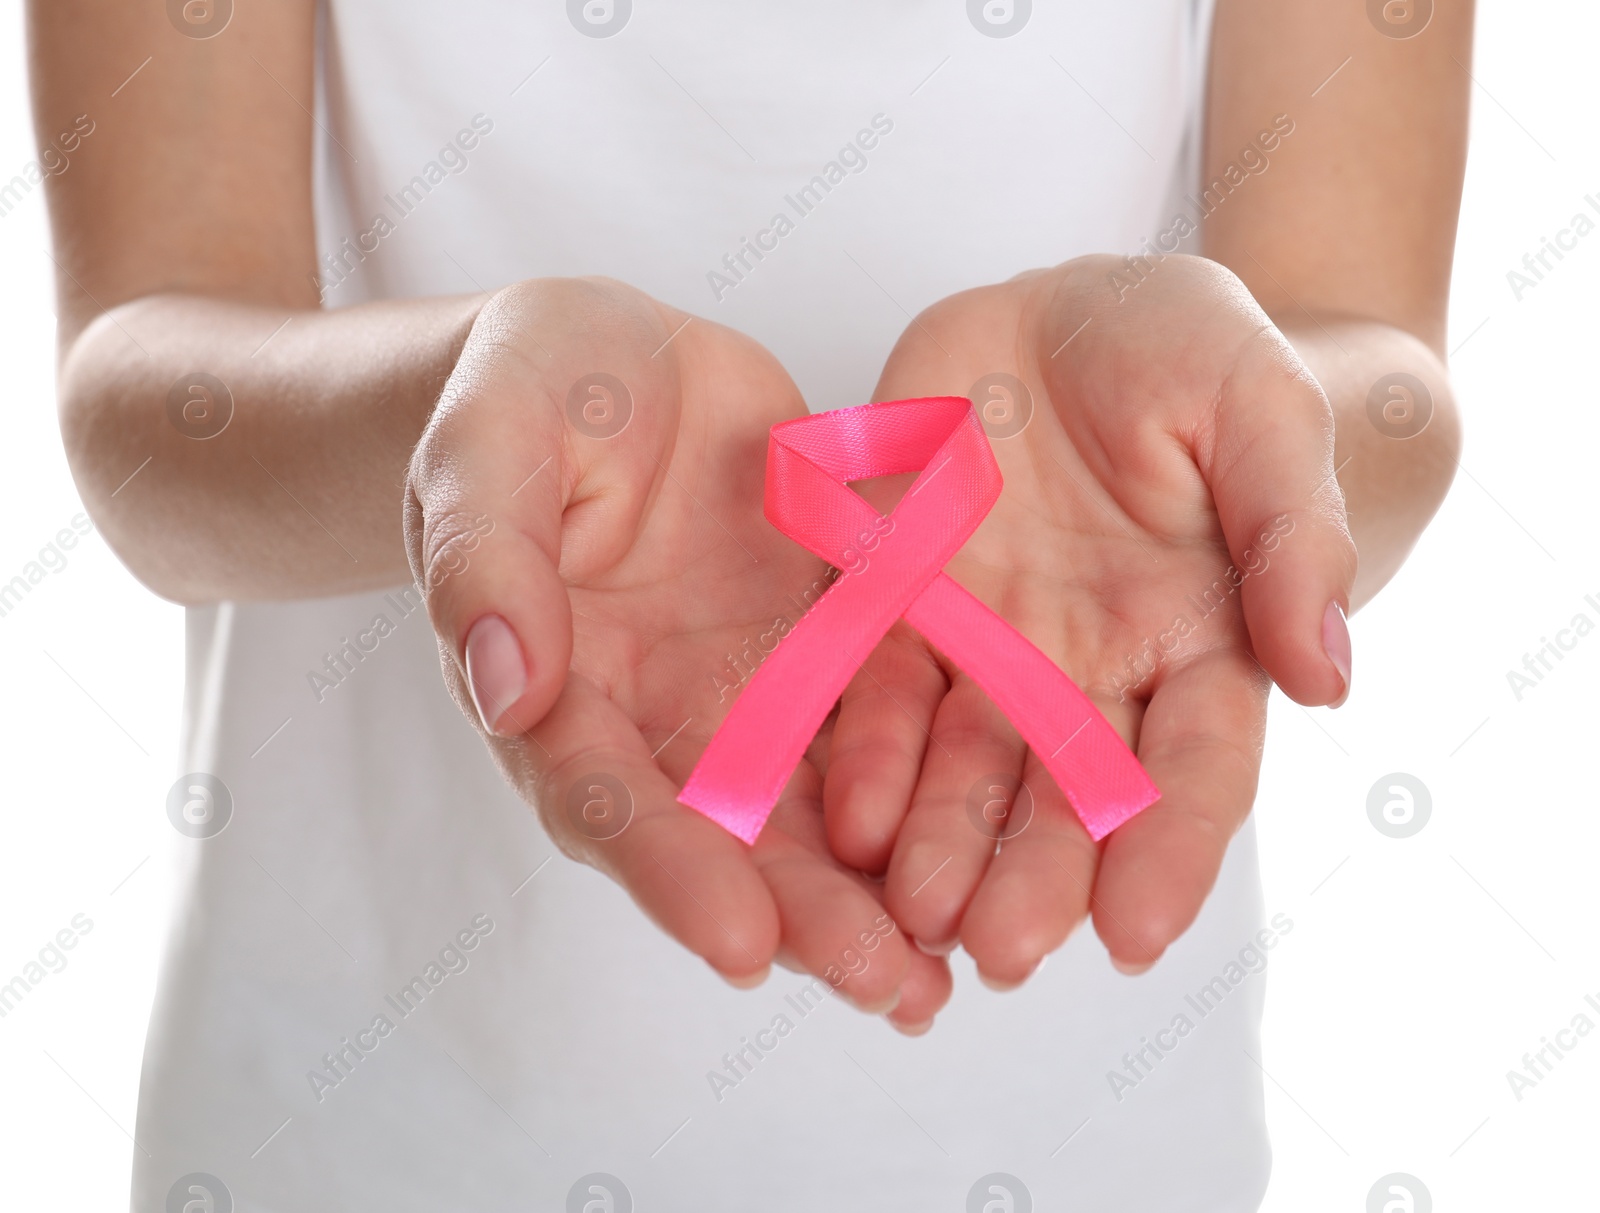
1171 533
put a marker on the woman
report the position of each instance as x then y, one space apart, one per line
320 264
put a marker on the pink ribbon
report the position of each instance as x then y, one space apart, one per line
894 567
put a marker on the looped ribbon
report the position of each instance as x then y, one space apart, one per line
893 567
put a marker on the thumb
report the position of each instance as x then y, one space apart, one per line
483 520
1270 469
492 482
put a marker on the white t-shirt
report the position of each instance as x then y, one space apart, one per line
386 989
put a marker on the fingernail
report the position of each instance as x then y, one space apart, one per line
750 980
1004 987
998 986
912 1029
1131 970
935 949
882 1007
1336 643
496 673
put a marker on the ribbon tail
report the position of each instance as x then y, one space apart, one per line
743 771
1102 780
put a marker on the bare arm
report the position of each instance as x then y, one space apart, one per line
1347 238
184 242
1183 420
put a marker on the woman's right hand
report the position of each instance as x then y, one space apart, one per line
584 514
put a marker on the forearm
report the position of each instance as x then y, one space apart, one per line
300 494
1392 483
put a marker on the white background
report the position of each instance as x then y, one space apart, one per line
1419 971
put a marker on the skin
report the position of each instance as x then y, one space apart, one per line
1196 407
364 441
630 565
184 240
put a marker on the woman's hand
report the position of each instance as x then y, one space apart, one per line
1170 526
584 512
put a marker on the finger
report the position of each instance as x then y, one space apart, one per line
924 991
1270 468
925 984
507 462
605 802
504 626
945 844
1201 742
822 744
1036 889
877 748
831 923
